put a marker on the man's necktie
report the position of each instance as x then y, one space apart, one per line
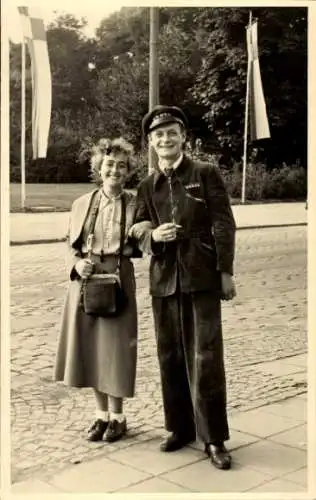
168 173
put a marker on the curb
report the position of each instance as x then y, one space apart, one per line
270 226
243 228
37 242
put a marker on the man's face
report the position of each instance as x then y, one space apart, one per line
167 140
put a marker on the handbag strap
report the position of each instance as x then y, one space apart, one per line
94 212
123 229
94 207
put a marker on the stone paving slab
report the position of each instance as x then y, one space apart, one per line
148 458
34 486
299 476
105 475
290 408
201 477
300 361
154 485
283 367
296 437
271 458
279 485
53 225
262 423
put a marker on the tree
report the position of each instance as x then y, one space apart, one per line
100 85
122 94
221 82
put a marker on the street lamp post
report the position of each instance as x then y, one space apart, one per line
153 71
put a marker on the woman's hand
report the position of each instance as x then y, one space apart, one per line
84 268
165 232
139 229
228 287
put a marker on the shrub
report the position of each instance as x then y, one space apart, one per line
288 182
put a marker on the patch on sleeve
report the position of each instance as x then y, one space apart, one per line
194 191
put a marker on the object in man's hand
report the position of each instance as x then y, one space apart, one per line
179 230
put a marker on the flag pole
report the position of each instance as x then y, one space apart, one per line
153 70
23 127
243 191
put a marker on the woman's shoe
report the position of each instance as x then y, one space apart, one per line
115 430
97 430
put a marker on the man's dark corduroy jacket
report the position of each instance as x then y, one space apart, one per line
206 243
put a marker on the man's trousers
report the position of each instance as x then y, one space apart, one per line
190 352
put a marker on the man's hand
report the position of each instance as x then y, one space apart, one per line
228 287
165 232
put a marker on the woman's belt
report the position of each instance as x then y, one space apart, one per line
105 255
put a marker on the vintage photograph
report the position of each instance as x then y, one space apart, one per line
158 209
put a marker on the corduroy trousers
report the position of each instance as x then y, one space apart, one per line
190 351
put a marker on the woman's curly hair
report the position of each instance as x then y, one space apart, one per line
105 147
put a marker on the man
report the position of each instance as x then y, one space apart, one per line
192 240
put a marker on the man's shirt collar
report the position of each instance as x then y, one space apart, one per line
174 165
180 166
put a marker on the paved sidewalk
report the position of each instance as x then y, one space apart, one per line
268 444
52 226
266 322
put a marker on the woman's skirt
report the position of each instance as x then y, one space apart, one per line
99 352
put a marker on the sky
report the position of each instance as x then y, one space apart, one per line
93 10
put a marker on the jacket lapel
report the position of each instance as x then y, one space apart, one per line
78 217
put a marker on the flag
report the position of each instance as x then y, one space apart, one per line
259 125
34 33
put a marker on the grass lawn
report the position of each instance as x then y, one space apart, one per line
57 196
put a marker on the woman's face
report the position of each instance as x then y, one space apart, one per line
114 169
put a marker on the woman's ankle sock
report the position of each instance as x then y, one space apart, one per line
120 417
102 415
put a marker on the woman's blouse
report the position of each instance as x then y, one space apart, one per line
107 230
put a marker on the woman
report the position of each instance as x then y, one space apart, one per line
101 352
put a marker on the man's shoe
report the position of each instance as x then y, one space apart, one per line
219 455
97 430
115 430
176 442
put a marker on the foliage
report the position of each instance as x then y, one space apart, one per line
220 83
284 183
100 86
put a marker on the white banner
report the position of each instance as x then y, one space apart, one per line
35 36
259 125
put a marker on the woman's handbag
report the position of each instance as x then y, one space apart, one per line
102 294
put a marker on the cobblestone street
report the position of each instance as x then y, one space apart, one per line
267 321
